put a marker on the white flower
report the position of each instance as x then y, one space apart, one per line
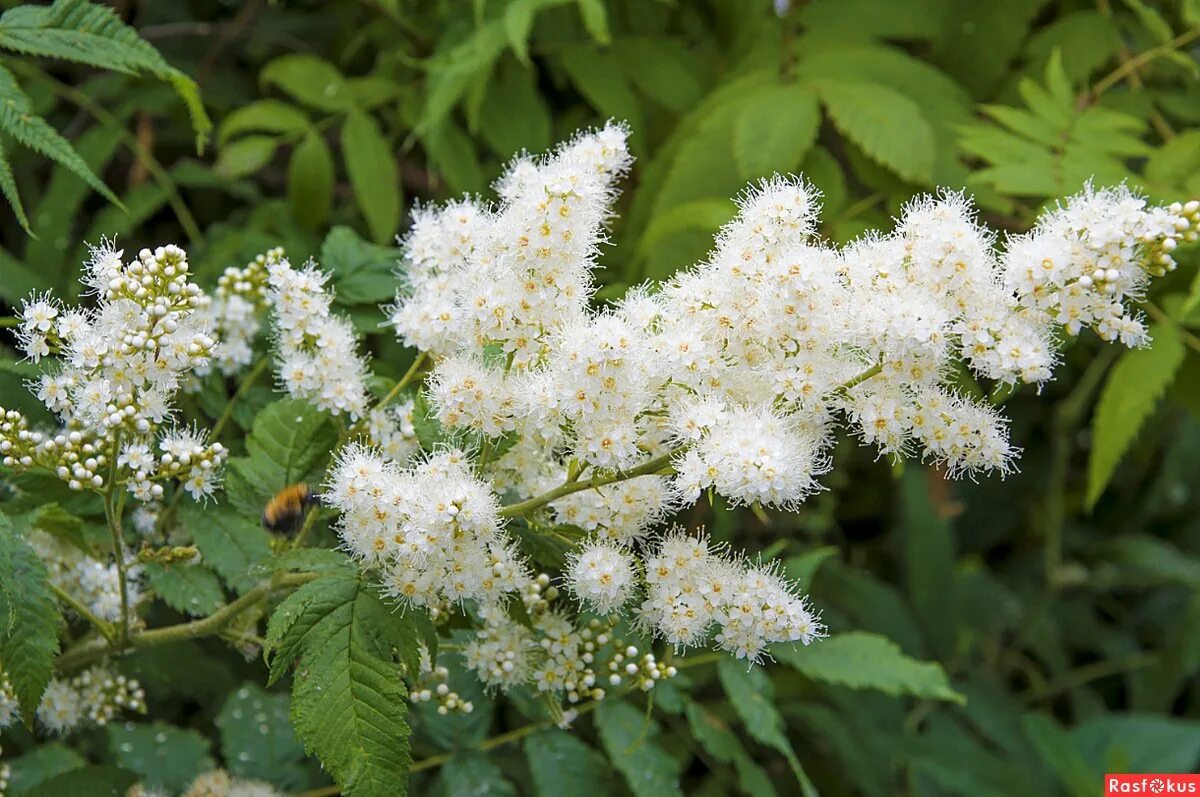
601 576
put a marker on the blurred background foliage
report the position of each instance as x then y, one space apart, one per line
1063 602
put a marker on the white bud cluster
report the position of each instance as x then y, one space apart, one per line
318 355
432 685
121 363
234 312
91 699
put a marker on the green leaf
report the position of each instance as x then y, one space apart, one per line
517 116
561 763
751 693
310 180
309 80
29 619
889 127
1130 393
628 737
1059 753
473 775
292 435
257 739
929 556
93 34
722 744
349 703
861 660
19 121
165 756
266 116
775 129
8 187
518 23
599 78
452 154
373 174
31 770
663 69
231 543
803 568
595 20
58 523
245 156
363 272
95 781
189 588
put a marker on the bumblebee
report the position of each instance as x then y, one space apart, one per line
286 509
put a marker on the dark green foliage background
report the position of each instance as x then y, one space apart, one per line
1063 602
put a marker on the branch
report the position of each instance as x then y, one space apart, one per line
206 626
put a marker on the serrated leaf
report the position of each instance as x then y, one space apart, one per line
245 156
775 130
473 775
29 619
628 737
1130 393
30 130
888 127
93 34
263 116
165 756
561 763
751 692
8 187
293 436
349 703
257 740
231 543
310 180
363 272
373 173
862 660
189 588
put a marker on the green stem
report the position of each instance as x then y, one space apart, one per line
9 321
1141 59
227 414
103 627
850 384
112 514
408 377
309 521
650 467
1091 672
206 626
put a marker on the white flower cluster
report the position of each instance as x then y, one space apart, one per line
94 584
690 588
121 363
317 350
10 708
234 312
746 364
434 529
218 783
91 699
391 429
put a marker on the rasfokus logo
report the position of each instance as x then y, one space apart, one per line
1156 783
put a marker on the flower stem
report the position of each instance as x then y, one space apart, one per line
113 510
650 467
408 377
103 627
227 413
207 626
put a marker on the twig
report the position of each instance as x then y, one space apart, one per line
1138 61
227 413
102 626
408 377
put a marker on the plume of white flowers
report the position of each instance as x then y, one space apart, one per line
120 364
235 310
317 350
